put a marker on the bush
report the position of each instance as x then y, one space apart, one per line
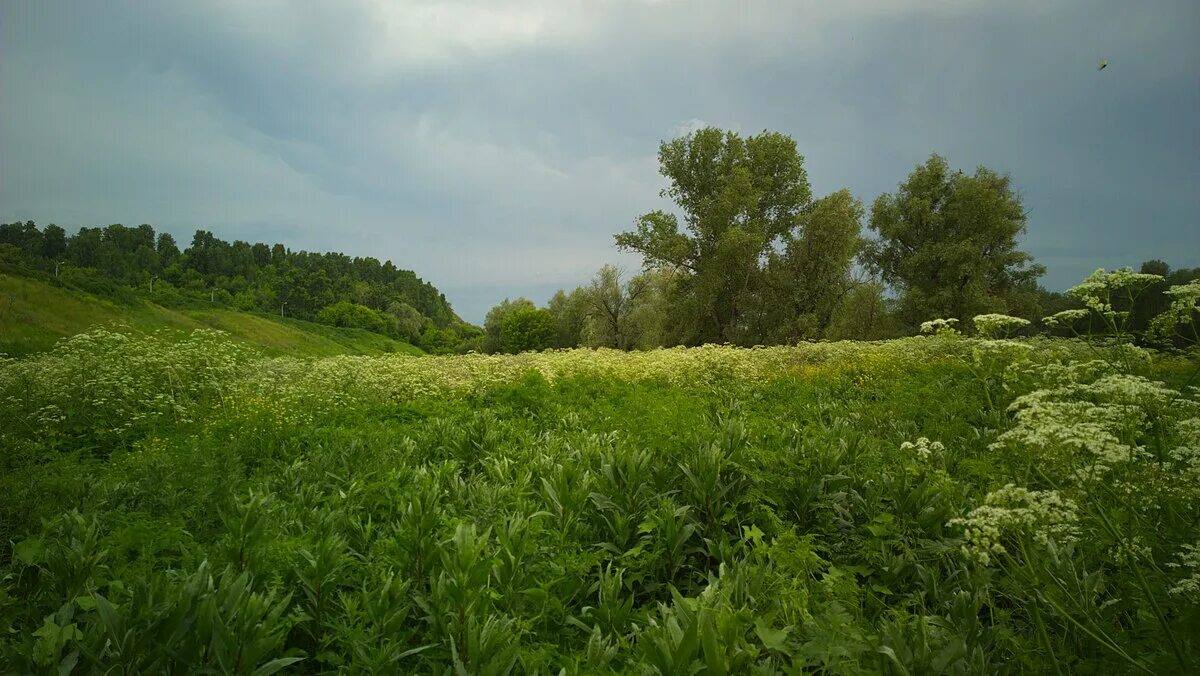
353 316
528 329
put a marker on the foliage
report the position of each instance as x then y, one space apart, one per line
740 200
527 329
948 242
354 316
936 504
130 263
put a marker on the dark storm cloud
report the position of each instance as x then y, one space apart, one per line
496 147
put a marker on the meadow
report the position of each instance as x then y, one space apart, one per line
935 504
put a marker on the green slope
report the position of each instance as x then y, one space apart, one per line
34 315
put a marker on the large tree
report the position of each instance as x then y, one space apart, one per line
737 198
947 242
610 302
811 275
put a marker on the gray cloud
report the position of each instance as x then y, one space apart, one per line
496 147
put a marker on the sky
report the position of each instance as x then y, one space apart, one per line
496 147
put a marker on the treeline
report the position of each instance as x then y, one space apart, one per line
331 288
751 257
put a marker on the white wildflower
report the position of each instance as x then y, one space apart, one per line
993 325
1011 514
939 326
1189 561
923 448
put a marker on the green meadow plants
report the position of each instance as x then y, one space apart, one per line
945 503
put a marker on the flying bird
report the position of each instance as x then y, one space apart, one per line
1103 64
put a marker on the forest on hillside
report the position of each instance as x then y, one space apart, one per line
330 288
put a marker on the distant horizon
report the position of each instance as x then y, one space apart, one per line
495 151
184 241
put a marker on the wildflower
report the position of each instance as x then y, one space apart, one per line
1066 317
939 326
1185 303
1189 561
923 448
992 325
1013 513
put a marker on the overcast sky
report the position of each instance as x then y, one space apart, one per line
496 147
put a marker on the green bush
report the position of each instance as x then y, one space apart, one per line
351 315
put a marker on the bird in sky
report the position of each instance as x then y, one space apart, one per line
1103 64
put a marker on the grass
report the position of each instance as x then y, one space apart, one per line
35 315
183 507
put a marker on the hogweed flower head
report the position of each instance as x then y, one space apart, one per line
923 448
993 325
938 326
1012 513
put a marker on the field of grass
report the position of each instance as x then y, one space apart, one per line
924 505
35 315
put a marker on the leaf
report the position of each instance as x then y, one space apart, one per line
85 602
414 651
29 551
67 665
775 639
275 665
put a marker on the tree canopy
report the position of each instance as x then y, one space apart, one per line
947 242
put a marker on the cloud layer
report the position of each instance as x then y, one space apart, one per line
496 147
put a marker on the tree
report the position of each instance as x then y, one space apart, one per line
54 242
493 324
738 198
609 304
411 324
947 242
863 314
570 312
811 276
527 328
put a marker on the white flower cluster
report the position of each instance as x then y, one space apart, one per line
1189 561
993 325
1100 419
1186 456
939 326
1130 550
923 448
1096 291
1012 513
1185 303
1066 317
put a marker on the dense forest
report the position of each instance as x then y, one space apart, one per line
331 288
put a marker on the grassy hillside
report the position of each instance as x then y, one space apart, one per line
34 315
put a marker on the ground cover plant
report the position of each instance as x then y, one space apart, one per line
935 504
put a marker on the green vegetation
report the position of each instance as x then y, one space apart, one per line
214 488
127 264
34 315
934 504
750 257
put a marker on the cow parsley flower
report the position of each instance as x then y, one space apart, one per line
1096 291
1189 561
1013 513
1066 317
1185 303
923 448
993 325
939 326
